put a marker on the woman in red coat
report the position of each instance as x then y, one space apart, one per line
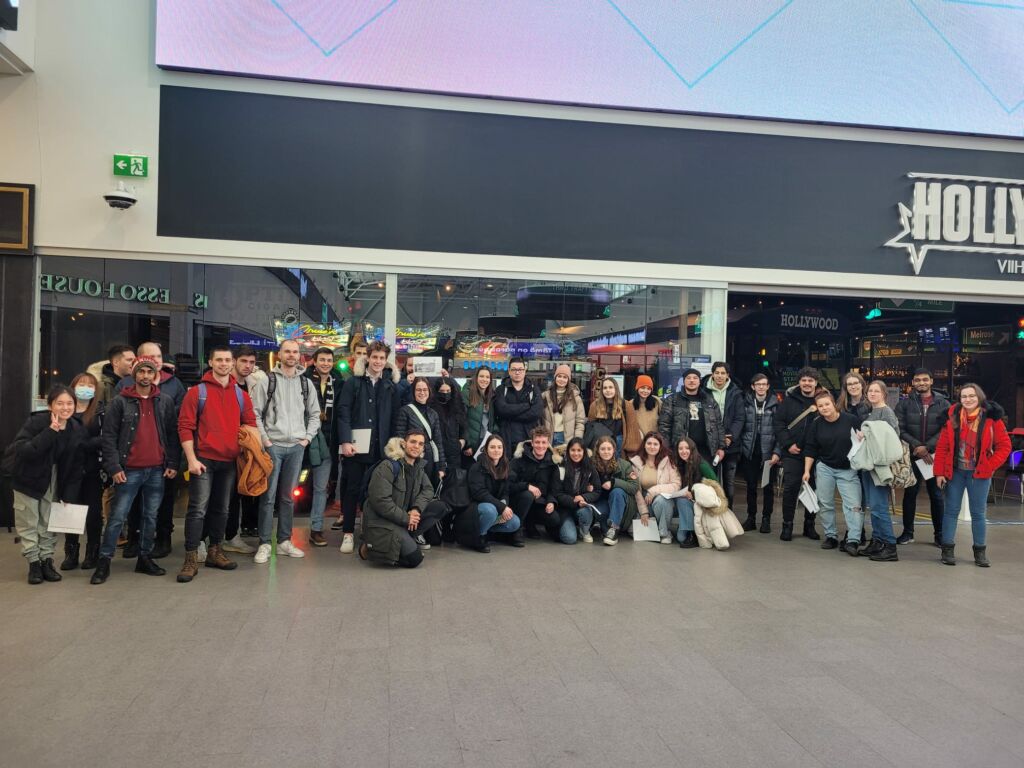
973 444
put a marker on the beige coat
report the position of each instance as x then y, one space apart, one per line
713 521
639 423
668 481
574 415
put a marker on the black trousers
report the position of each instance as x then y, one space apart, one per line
938 505
353 472
792 479
409 556
752 469
243 512
531 512
209 496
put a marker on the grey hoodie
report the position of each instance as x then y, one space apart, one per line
284 425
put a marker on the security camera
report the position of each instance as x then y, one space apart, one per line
122 198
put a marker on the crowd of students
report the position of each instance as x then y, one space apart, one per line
425 461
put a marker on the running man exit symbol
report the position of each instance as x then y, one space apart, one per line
131 165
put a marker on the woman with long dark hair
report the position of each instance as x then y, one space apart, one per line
489 511
89 411
972 446
618 487
45 463
692 469
657 474
451 413
419 414
642 414
478 394
576 494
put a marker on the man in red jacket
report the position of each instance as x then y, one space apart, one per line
208 425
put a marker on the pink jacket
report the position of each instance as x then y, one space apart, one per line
669 481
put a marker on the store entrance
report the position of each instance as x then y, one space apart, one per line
882 338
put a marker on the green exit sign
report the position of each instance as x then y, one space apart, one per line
131 165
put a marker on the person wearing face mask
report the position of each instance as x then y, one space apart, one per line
564 413
89 413
973 444
607 414
642 413
478 395
489 511
758 445
451 414
45 462
575 494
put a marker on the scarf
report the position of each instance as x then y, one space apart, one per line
969 426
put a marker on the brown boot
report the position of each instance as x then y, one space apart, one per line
189 569
215 558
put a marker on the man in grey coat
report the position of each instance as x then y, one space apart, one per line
288 418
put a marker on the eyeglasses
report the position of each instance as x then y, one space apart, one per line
517 369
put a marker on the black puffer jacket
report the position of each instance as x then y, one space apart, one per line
517 412
362 405
576 482
908 413
528 470
452 418
792 406
36 449
763 431
674 422
407 420
484 488
121 421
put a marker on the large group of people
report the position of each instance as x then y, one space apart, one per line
425 461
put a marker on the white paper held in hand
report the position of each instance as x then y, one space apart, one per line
927 470
361 440
67 518
766 474
681 493
647 532
808 498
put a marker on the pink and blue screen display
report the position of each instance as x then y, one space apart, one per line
944 65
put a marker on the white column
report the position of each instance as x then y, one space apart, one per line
713 323
390 308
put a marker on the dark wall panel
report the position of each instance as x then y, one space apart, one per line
272 168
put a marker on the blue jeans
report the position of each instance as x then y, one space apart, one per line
571 518
881 520
151 483
282 481
663 509
977 497
866 484
558 438
612 507
488 514
684 507
846 480
321 476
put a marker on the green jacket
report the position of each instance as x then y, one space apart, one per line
621 479
475 420
385 515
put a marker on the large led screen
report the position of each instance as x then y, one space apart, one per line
943 65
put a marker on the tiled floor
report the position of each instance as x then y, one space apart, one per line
771 654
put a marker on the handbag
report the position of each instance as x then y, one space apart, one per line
455 488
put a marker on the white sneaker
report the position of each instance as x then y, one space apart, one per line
262 554
422 542
201 552
666 539
585 534
348 544
289 549
238 545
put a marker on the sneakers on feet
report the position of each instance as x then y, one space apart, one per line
237 544
337 524
201 552
262 554
584 534
316 538
611 538
286 548
421 542
907 537
666 539
348 544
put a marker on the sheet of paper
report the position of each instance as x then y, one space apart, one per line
361 439
647 532
766 474
67 518
427 366
808 498
927 470
857 444
676 494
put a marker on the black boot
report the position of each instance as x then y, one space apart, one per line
70 561
787 531
689 540
35 573
49 572
809 531
92 554
131 549
146 565
948 556
886 553
980 559
161 547
750 523
518 539
766 523
102 571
